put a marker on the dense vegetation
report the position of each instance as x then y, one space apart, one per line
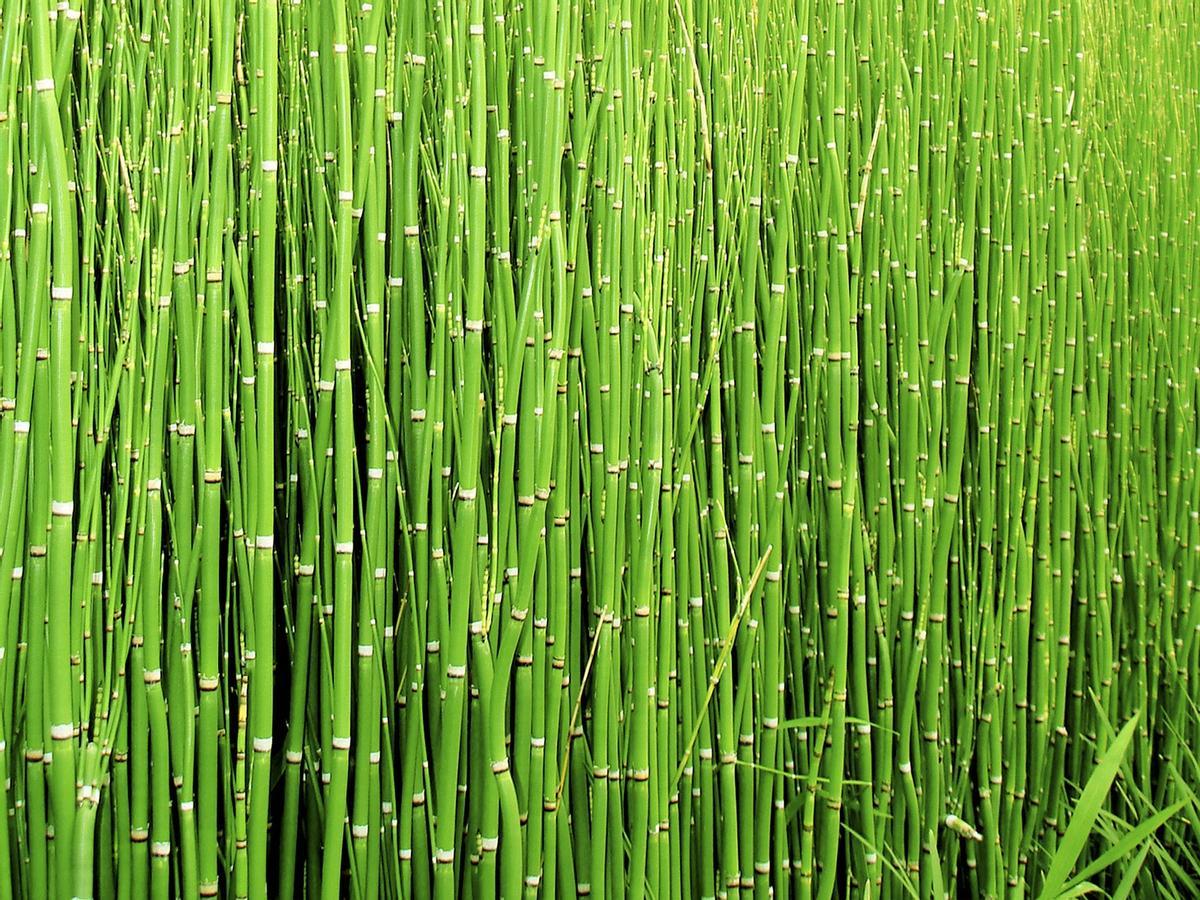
594 448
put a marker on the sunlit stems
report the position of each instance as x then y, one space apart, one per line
561 616
12 512
21 350
131 478
372 607
38 874
307 601
31 411
602 402
644 663
437 627
151 748
50 151
150 603
265 157
302 509
715 529
411 415
540 375
179 466
215 369
343 445
663 864
772 689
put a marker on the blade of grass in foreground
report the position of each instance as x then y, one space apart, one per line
1086 810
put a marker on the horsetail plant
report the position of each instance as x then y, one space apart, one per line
562 448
